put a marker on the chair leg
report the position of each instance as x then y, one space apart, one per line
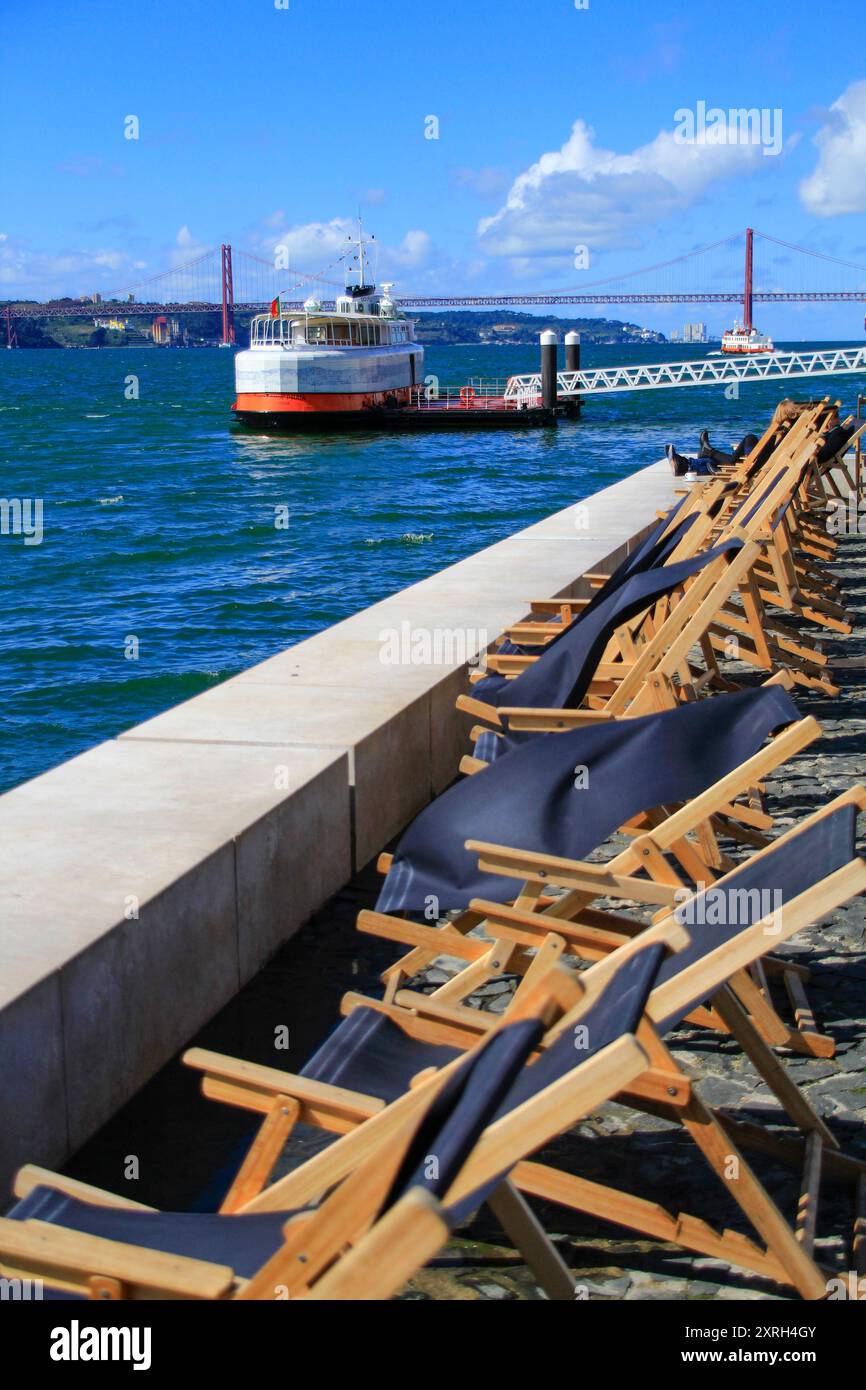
520 1223
753 1200
770 1068
263 1153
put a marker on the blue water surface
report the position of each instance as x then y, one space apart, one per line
159 519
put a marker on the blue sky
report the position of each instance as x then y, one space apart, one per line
557 128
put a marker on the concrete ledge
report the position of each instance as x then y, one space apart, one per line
143 883
146 880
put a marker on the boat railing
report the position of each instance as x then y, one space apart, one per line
476 394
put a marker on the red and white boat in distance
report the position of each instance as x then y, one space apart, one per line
742 341
328 368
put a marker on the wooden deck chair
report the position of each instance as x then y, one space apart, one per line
788 578
575 667
832 460
84 1242
580 786
817 864
781 577
750 519
740 625
667 539
816 869
683 532
646 872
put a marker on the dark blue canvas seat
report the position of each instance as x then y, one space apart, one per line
243 1242
651 553
369 1052
492 1087
758 887
528 799
561 675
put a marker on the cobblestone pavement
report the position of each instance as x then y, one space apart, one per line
301 988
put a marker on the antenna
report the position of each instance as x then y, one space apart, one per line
360 242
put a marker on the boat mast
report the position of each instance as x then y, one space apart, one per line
360 250
361 243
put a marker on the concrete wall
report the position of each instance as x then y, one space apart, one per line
145 881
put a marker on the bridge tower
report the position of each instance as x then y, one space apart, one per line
228 296
747 287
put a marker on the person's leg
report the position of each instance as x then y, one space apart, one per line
715 456
745 446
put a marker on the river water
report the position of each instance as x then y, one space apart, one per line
160 569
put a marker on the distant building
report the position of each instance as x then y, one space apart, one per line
159 330
694 333
116 325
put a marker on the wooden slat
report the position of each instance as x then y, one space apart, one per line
810 1188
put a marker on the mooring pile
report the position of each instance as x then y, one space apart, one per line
620 752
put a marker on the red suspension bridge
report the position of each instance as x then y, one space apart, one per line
745 268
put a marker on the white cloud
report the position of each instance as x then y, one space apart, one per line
583 193
38 274
315 247
837 184
414 250
186 248
310 245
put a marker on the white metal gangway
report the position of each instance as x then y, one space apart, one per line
709 371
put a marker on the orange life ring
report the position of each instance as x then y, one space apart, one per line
467 394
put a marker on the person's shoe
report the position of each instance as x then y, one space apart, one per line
675 461
705 439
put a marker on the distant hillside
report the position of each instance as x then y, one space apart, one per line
507 326
448 327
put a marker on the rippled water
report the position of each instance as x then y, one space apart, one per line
159 520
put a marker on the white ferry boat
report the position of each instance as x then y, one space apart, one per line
328 368
742 340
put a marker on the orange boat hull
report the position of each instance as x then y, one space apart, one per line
323 402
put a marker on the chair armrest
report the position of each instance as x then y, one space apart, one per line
251 1086
528 719
597 879
70 1259
442 941
31 1176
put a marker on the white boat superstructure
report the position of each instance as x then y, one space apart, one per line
743 340
329 367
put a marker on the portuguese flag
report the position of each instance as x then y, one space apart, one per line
276 308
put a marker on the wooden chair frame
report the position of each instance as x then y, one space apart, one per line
655 1083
